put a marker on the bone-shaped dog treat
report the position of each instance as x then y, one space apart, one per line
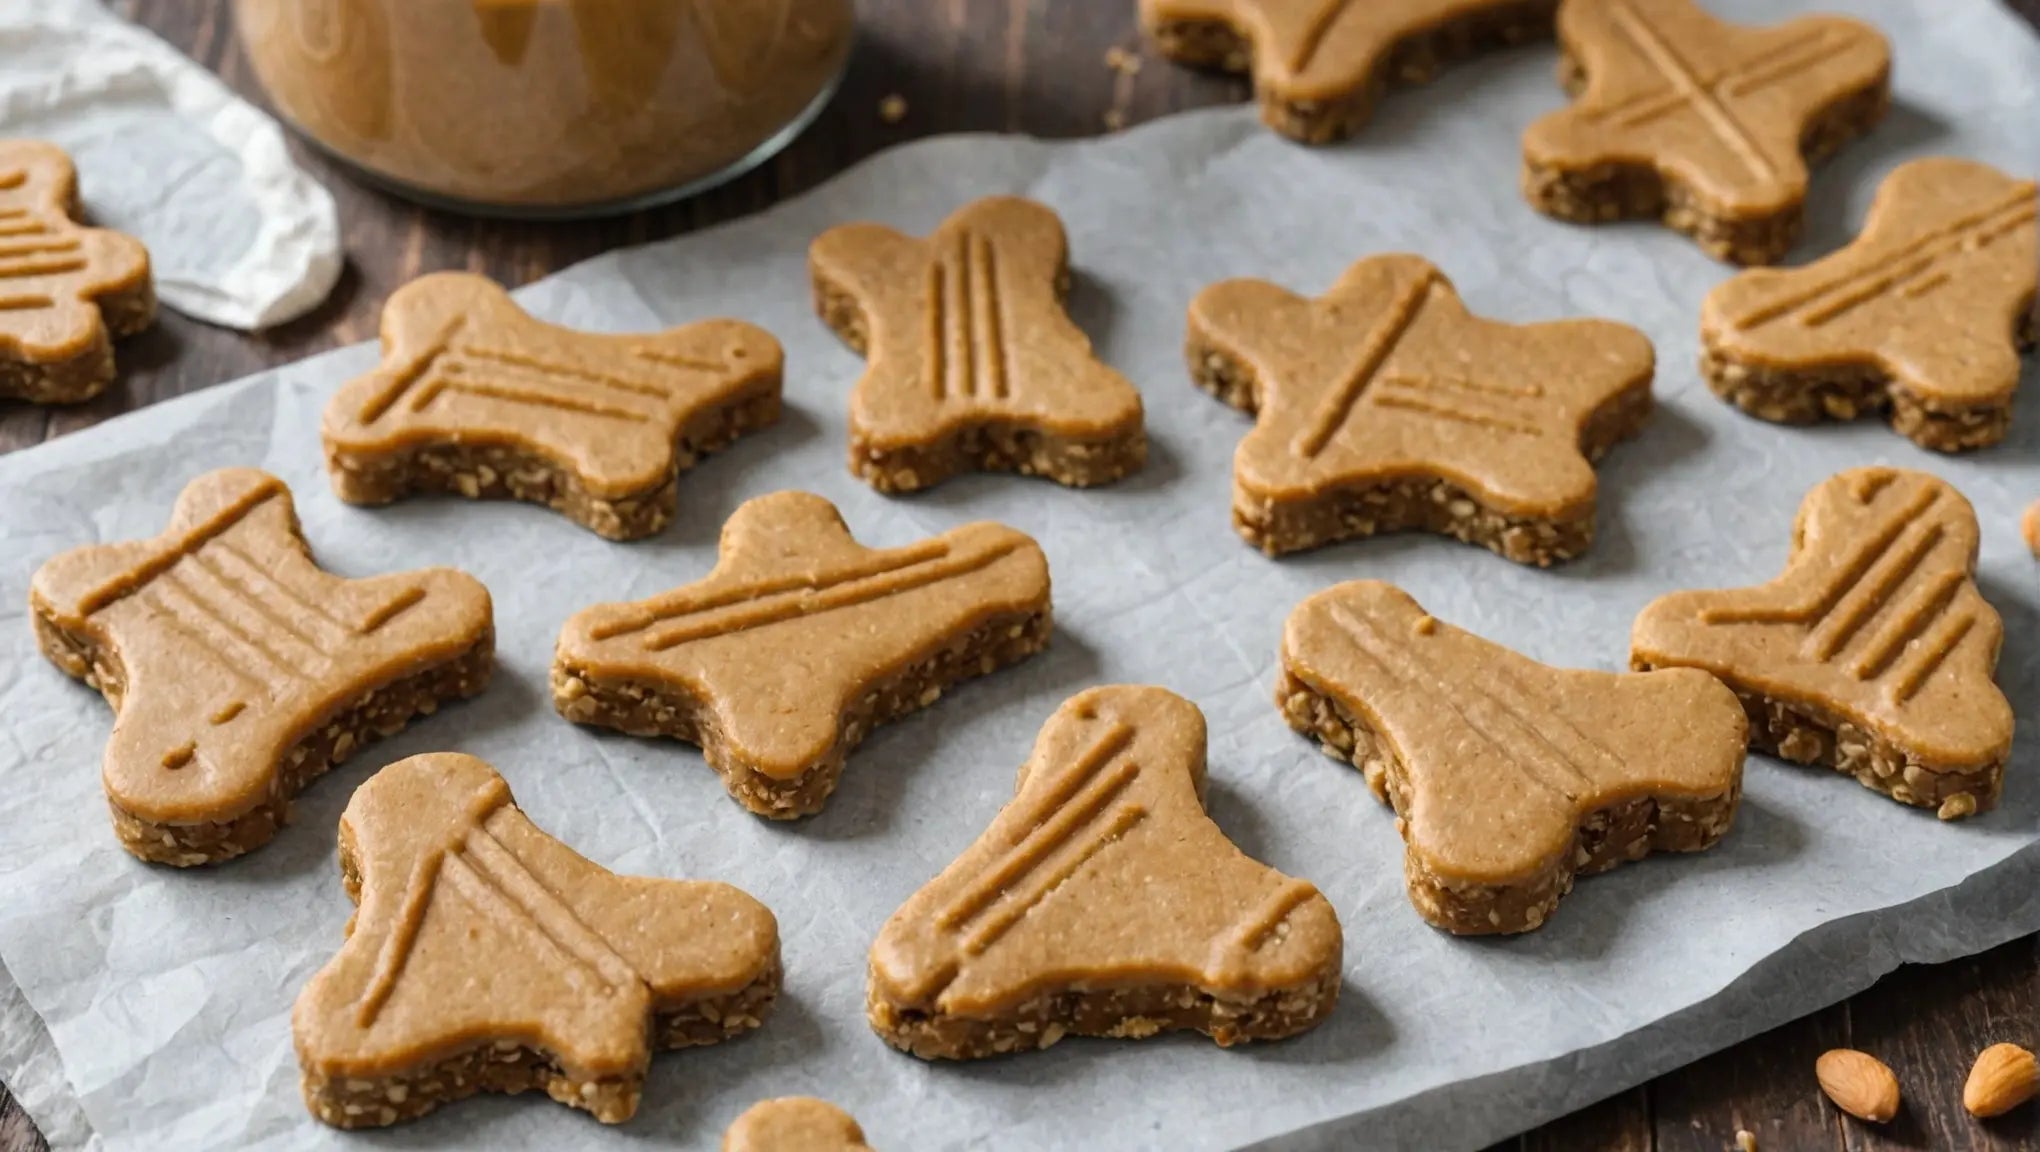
972 361
794 1124
800 642
1923 315
1508 777
1319 65
1706 125
475 397
486 956
1384 405
1872 654
238 670
1103 901
66 291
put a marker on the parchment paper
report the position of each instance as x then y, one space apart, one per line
168 993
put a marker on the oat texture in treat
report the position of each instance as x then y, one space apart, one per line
800 642
486 956
1872 654
1103 901
1705 125
1320 65
973 364
1508 777
238 670
476 398
794 1124
1384 405
1921 318
66 291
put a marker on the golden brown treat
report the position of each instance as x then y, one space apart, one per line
1922 317
1384 405
973 362
1872 654
66 291
2032 527
800 642
794 1124
487 956
1104 902
1320 65
1706 125
1508 777
475 397
239 671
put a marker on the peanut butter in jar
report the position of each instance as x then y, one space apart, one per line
548 107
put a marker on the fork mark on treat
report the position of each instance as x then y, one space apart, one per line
966 348
1705 103
300 602
766 611
687 602
1380 344
1870 595
380 616
1557 757
396 950
1861 558
667 359
1830 299
24 303
485 870
1457 412
1314 32
411 371
1740 80
1080 795
1004 913
1254 928
564 377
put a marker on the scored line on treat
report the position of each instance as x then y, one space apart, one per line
298 600
1704 102
799 603
680 605
1076 801
1253 929
1922 254
965 321
1555 758
1745 77
25 303
406 374
1315 31
1375 351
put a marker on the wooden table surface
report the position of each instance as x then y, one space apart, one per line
1038 67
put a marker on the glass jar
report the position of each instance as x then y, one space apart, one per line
548 107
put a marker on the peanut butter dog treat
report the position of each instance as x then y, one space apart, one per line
1103 902
1508 777
1384 405
1706 125
238 670
800 642
486 956
1923 316
1873 653
1319 65
794 1124
66 291
475 397
973 362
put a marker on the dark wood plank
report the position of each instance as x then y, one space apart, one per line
1038 66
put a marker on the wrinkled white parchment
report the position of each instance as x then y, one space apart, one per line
238 234
168 993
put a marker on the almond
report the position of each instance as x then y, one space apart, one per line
2005 1077
1859 1084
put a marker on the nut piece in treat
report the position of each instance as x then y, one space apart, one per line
1319 66
1705 125
972 361
1920 319
239 670
1858 1083
794 1124
1508 777
1384 405
2005 1076
66 291
1872 654
800 642
477 399
1103 901
486 956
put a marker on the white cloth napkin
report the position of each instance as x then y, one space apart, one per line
239 235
